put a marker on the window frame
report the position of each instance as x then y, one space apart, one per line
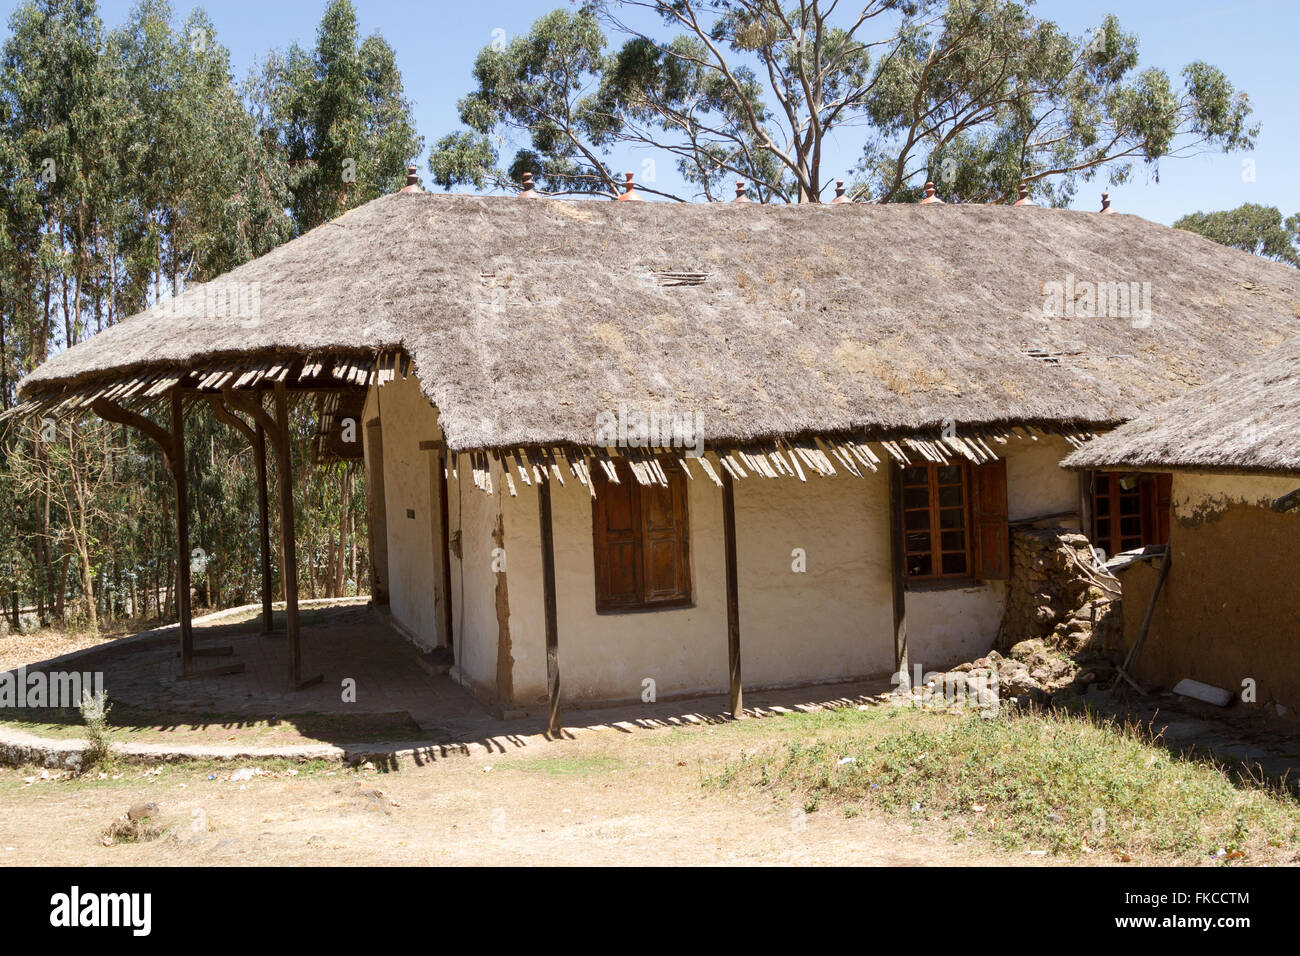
684 595
936 551
1149 492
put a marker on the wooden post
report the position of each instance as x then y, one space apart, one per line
733 593
548 604
896 554
182 532
264 528
1136 650
288 542
256 438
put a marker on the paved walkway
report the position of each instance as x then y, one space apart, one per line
352 640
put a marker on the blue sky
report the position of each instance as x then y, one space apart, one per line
1253 42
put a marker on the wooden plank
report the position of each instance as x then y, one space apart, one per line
549 609
288 541
264 526
1136 650
445 544
897 569
733 595
182 534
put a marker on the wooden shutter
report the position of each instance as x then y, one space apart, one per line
641 542
616 533
665 567
992 538
1161 491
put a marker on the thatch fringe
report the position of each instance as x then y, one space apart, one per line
823 456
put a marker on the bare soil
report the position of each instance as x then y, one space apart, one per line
606 798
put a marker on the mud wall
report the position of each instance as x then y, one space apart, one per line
1230 609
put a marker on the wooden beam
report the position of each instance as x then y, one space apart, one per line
1136 650
264 527
897 568
733 593
256 436
182 533
548 604
112 412
288 540
441 465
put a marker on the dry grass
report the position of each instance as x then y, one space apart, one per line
1060 784
41 645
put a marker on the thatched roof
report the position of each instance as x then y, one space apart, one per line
1245 421
525 319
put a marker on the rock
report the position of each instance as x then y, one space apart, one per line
1027 649
142 810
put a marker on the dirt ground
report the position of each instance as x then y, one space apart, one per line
608 798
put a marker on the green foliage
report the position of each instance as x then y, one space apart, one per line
99 745
335 119
1251 228
133 165
978 95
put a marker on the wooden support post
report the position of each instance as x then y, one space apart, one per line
1136 650
288 541
264 527
172 446
444 544
897 567
182 533
276 428
548 604
733 594
256 437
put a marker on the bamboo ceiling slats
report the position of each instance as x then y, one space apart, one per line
145 386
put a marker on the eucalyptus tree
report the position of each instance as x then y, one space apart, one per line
978 94
336 117
1251 228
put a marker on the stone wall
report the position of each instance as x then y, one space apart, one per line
1057 596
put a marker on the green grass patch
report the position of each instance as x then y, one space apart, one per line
1068 784
577 766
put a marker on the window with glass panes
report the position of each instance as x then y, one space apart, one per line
936 521
1129 511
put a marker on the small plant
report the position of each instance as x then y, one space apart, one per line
99 749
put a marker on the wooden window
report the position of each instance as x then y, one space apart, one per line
936 522
955 521
641 541
1129 511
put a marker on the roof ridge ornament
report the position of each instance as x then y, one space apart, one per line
930 197
529 191
412 181
1024 199
629 190
741 196
1105 203
840 194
